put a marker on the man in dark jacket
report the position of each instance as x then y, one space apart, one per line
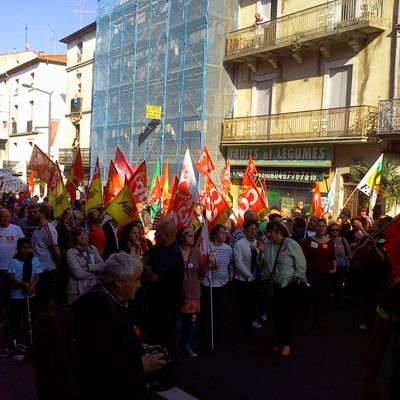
110 356
164 286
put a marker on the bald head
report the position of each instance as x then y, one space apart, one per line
250 215
5 218
165 233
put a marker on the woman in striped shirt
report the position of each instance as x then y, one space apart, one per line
215 279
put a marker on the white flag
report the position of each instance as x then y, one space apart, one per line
372 178
331 195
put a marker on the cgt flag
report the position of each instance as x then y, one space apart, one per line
186 194
217 210
95 196
204 164
138 184
251 199
123 166
122 207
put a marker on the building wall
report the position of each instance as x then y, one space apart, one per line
302 83
48 77
80 70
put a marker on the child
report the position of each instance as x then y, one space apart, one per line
24 273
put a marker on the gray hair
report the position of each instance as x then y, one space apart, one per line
120 267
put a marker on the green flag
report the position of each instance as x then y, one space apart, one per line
154 206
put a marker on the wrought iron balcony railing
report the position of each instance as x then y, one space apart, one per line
389 117
334 17
67 154
333 124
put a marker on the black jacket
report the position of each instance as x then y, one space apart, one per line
110 240
108 350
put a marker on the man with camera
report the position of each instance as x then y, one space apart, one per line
112 361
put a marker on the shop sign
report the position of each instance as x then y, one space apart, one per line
282 156
283 175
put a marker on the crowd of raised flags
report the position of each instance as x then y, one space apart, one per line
127 185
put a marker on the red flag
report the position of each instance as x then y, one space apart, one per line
203 244
138 184
226 178
251 168
186 194
204 165
113 185
392 240
54 177
317 201
217 209
250 200
75 176
42 164
31 182
122 165
156 192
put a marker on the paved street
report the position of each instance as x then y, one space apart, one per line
324 365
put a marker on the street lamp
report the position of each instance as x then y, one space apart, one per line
26 85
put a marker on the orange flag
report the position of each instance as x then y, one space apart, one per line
164 181
170 197
75 176
31 182
113 185
316 203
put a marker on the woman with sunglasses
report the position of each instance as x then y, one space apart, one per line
343 255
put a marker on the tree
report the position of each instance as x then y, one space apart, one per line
389 192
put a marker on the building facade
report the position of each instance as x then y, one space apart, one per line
79 95
32 104
308 80
167 53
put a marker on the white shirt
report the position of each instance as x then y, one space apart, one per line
43 239
8 244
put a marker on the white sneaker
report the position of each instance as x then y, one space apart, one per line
256 325
363 327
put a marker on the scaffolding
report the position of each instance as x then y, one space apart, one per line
167 53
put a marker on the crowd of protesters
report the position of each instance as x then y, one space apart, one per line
290 268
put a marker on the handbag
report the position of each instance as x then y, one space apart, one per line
267 285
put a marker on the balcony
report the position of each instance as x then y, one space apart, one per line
347 124
315 27
389 118
67 154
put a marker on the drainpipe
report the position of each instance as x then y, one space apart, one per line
394 53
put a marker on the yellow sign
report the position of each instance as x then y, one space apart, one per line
153 112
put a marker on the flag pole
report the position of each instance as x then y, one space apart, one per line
351 195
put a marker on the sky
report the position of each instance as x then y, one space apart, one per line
47 22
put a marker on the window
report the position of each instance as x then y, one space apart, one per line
79 48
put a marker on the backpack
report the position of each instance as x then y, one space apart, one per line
55 356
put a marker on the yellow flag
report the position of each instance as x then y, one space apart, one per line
122 208
95 197
58 198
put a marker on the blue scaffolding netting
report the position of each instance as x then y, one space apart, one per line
167 53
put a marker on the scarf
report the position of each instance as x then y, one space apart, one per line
27 268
